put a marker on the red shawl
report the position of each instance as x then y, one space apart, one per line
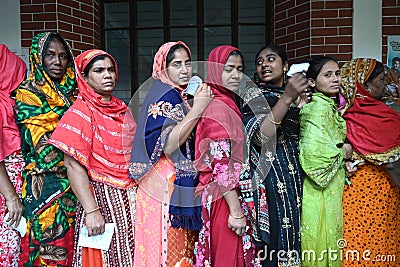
98 134
372 127
12 71
222 118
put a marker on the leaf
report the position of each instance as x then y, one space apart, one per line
52 233
51 156
27 97
37 185
42 144
55 253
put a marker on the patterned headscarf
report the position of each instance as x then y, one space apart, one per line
160 63
12 71
372 127
41 103
97 134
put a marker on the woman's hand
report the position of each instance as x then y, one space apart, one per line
348 150
296 85
95 223
237 225
202 97
350 171
15 211
303 98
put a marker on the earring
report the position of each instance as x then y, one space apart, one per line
285 70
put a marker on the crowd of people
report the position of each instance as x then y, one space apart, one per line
273 171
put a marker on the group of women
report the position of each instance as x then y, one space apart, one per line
237 176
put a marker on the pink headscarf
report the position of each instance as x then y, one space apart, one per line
12 71
160 63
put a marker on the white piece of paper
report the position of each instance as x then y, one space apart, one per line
21 228
98 241
296 68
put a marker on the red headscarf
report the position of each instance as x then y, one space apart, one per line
160 63
372 127
12 71
96 133
222 118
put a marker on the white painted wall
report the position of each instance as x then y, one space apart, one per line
367 29
10 24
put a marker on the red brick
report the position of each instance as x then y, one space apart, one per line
345 13
284 6
317 40
81 46
50 25
69 19
39 2
69 35
317 23
317 5
26 17
284 23
302 35
301 43
299 9
389 3
87 8
26 43
64 9
391 30
44 17
32 25
324 13
280 32
82 15
88 2
285 39
303 17
324 49
80 30
339 22
338 4
87 39
281 16
49 8
345 48
339 40
389 21
26 34
343 57
70 3
303 53
65 26
391 12
299 27
25 2
345 30
324 31
31 9
87 24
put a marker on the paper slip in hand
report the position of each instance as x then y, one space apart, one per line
21 228
296 68
98 241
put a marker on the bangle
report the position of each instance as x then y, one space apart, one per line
11 200
274 122
91 211
234 217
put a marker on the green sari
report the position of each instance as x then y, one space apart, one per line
50 205
322 132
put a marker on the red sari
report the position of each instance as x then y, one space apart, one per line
219 156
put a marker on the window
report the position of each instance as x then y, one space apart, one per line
134 30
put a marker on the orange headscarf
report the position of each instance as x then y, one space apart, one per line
98 134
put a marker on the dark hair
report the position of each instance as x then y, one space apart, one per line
276 49
317 62
55 36
171 55
237 53
90 65
395 59
379 68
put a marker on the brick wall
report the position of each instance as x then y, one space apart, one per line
308 27
390 23
78 21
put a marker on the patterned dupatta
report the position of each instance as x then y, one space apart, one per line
13 71
372 126
97 134
41 103
162 109
222 118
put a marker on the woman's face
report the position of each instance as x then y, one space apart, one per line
328 79
102 77
179 69
376 87
55 60
269 67
232 73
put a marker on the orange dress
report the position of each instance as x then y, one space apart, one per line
371 210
